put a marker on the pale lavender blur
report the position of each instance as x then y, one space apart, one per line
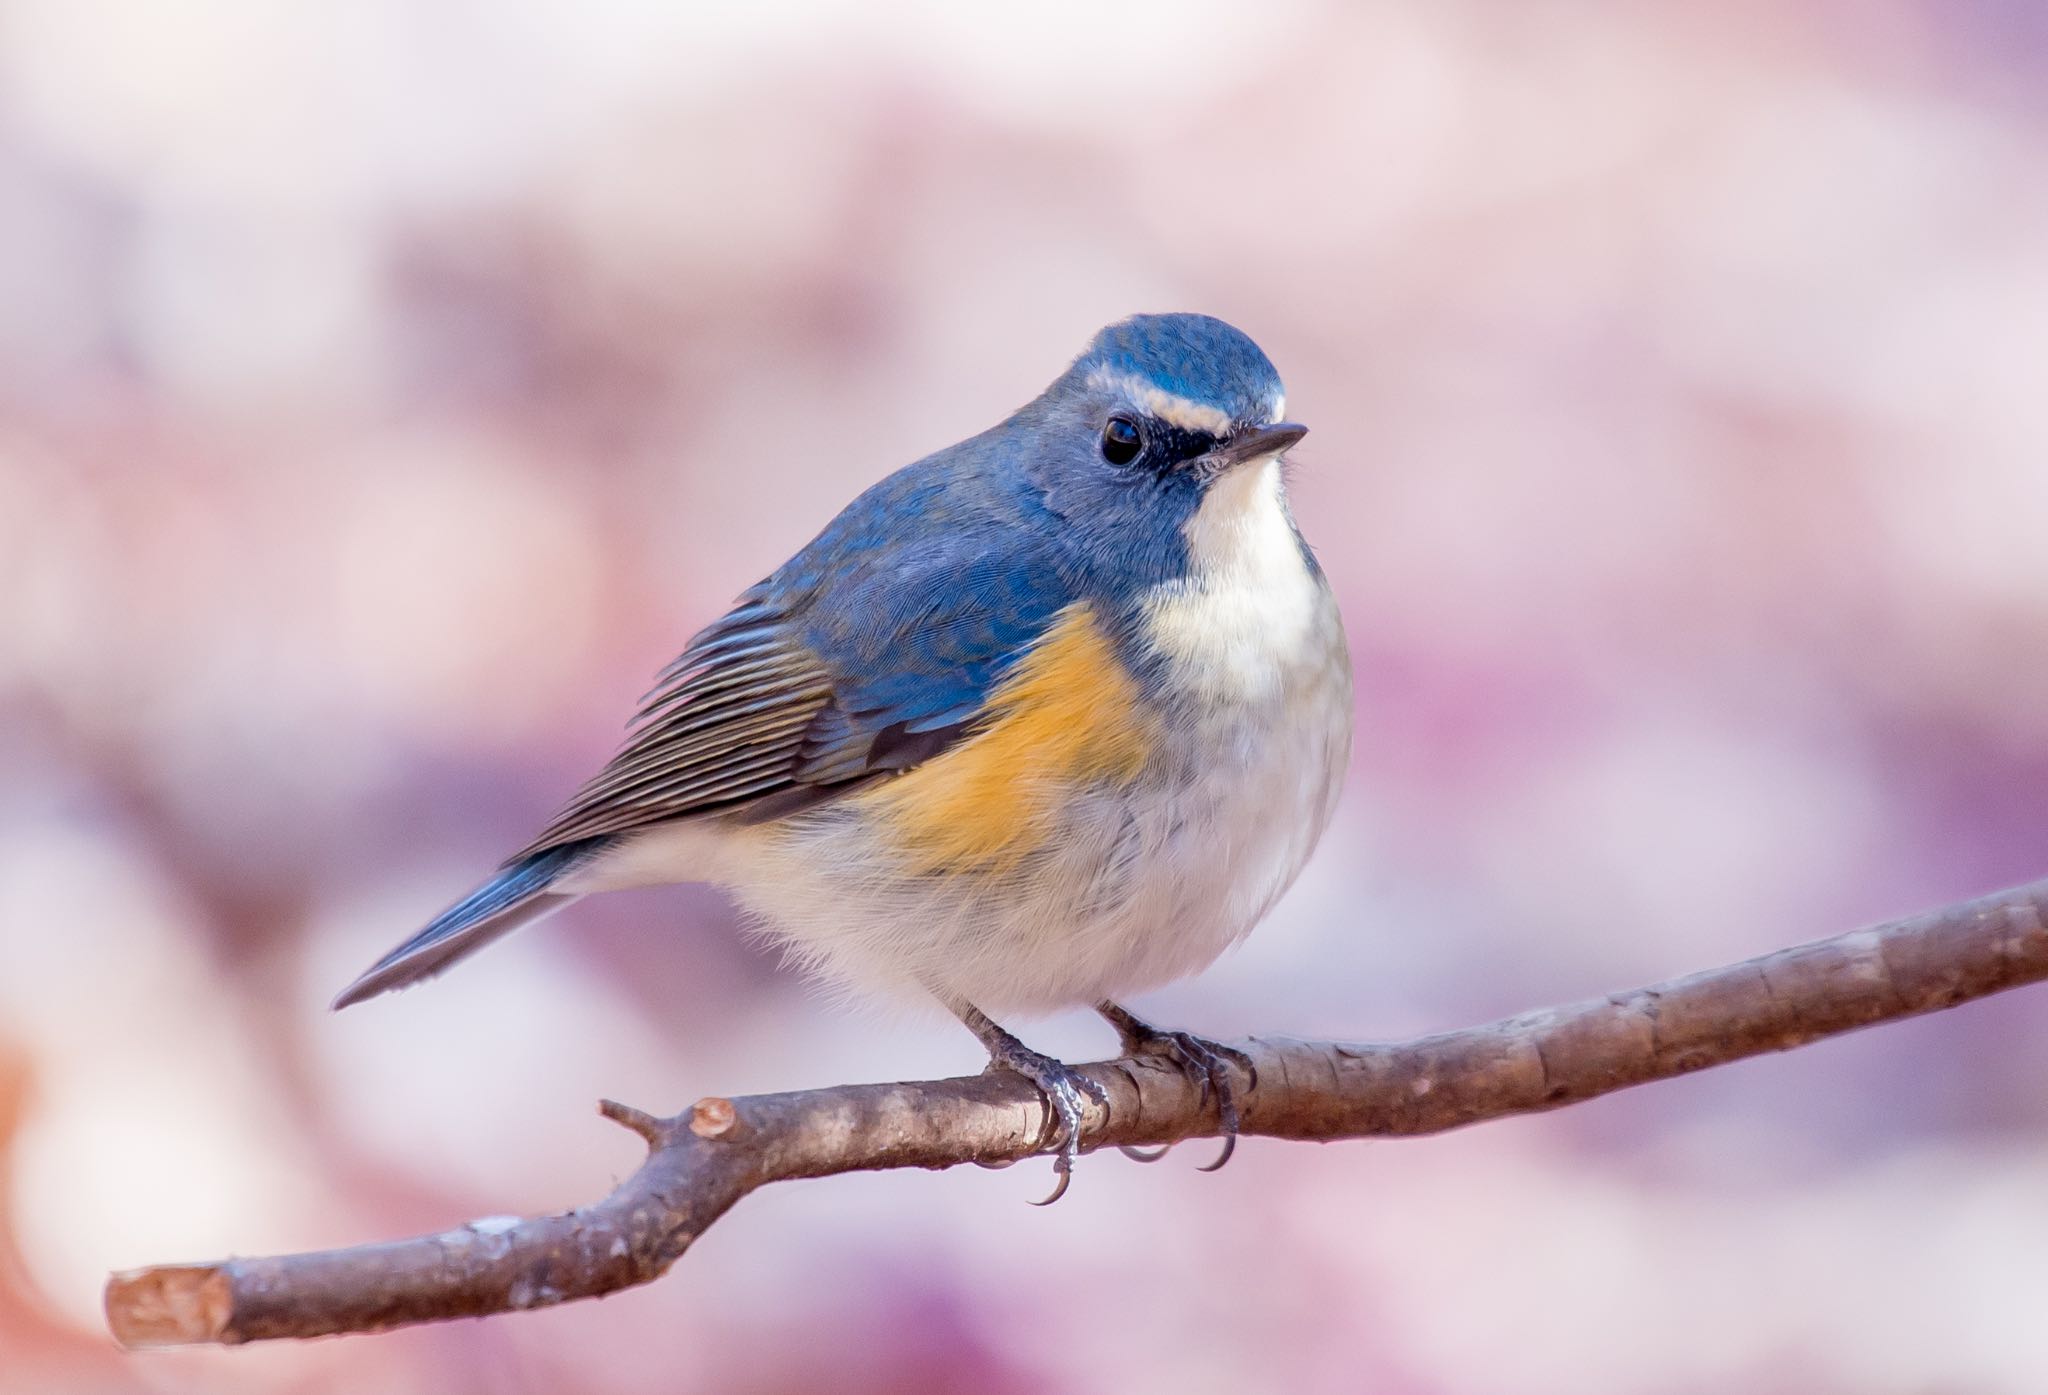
387 389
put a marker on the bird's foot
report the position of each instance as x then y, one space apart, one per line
1066 1093
1208 1062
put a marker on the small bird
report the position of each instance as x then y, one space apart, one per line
1050 717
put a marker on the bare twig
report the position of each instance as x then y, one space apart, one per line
701 1162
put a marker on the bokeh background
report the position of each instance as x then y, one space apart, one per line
387 389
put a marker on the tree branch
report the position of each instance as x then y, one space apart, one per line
701 1162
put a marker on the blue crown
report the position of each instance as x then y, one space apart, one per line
1197 357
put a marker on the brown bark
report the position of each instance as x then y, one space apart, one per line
701 1162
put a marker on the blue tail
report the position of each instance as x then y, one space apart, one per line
517 896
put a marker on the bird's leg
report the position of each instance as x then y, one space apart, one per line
1064 1088
1209 1062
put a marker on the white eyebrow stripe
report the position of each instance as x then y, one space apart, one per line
1169 407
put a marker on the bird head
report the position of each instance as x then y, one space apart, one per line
1161 419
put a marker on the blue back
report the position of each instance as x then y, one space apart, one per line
923 591
880 642
920 595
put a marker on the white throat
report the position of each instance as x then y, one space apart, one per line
1242 615
1241 531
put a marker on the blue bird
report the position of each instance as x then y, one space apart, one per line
1050 717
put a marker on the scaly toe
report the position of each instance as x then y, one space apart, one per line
1067 1093
1209 1063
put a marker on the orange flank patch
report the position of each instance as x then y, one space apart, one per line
1068 716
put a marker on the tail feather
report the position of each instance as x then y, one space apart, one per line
517 896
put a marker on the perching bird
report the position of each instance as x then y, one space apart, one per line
1047 718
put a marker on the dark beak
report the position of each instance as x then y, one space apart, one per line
1254 441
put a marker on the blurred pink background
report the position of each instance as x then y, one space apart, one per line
387 390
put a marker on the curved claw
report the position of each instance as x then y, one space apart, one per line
1226 1113
1067 1093
1062 1094
1063 1089
1063 1170
1207 1062
1144 1155
1229 1147
997 1166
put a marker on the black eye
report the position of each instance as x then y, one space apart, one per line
1121 441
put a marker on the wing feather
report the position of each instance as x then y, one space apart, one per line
866 654
718 731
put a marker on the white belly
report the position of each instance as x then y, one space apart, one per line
1143 884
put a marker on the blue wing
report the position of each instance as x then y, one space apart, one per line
871 650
